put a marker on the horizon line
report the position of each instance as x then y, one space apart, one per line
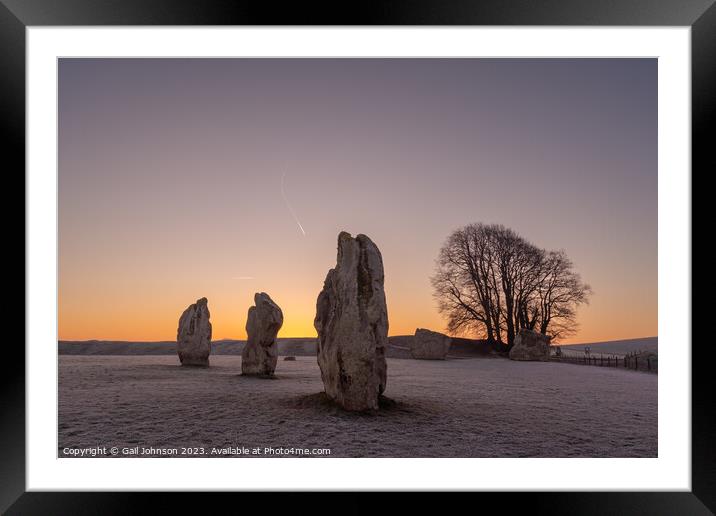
315 337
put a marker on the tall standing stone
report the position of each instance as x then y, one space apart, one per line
530 345
194 335
352 325
260 354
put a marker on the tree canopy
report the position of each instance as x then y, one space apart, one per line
491 282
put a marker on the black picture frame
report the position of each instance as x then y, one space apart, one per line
16 15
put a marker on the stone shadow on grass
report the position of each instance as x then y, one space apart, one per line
248 377
320 402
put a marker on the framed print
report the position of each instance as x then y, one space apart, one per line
422 249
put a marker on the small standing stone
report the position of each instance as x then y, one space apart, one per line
260 354
429 345
530 345
194 335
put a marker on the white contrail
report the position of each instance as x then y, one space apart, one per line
288 205
243 277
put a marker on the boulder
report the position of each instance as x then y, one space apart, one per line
194 335
352 325
530 345
260 353
429 345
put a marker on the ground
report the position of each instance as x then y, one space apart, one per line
464 407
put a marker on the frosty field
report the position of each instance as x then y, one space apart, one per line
461 407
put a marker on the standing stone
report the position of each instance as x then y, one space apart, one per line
194 335
260 354
530 345
429 345
352 325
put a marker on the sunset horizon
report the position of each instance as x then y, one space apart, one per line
302 328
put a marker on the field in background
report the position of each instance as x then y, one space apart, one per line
616 347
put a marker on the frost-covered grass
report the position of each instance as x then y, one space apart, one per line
471 407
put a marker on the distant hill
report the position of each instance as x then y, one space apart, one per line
617 347
398 347
301 347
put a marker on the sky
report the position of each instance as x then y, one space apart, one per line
219 178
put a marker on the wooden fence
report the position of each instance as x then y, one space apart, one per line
635 361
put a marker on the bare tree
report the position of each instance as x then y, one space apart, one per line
560 291
491 282
464 284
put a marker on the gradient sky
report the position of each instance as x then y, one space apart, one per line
170 182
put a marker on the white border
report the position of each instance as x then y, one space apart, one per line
670 471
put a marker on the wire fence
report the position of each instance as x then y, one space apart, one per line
635 361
